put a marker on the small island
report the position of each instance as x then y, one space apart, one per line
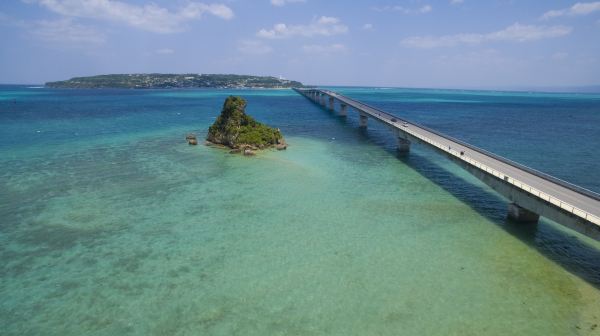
240 132
169 81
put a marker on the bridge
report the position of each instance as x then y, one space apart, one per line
531 193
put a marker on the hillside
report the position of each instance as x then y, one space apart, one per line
159 81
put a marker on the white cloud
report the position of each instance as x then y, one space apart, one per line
254 47
457 2
324 50
281 3
580 8
325 26
65 31
559 56
425 9
164 51
421 10
513 33
367 26
150 17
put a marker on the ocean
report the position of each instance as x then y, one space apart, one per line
111 224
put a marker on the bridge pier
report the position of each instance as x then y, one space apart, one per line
343 110
522 215
568 205
331 103
362 120
403 145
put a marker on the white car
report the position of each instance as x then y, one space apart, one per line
405 124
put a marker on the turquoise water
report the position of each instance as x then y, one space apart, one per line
112 225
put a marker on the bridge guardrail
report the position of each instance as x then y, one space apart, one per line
530 170
517 183
563 205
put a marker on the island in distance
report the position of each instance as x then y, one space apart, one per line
165 81
240 132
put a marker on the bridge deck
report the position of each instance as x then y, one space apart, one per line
576 200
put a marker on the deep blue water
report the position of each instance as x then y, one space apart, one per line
556 133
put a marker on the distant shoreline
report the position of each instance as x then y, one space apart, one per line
592 89
152 88
174 81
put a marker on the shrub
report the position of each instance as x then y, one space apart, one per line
234 127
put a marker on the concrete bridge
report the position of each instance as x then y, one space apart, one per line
531 193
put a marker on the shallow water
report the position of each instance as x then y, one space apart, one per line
112 224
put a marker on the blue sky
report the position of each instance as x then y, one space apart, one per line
410 43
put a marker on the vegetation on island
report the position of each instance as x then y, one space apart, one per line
163 81
239 131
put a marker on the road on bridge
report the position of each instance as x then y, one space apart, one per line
562 193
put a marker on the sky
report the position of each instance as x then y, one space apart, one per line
402 43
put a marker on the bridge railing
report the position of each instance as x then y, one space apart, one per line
517 183
530 170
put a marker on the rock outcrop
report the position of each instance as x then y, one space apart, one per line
191 139
281 144
239 131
